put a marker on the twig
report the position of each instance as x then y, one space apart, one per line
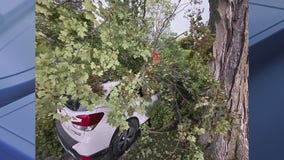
156 132
164 25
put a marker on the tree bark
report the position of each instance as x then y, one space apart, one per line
229 19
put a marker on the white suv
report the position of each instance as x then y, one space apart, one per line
89 135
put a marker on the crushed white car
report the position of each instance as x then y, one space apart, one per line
89 135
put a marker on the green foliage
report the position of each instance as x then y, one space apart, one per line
200 38
46 142
162 114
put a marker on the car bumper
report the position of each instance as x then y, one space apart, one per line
68 142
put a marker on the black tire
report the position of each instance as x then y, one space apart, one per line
123 141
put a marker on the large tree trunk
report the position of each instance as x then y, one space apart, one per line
229 19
